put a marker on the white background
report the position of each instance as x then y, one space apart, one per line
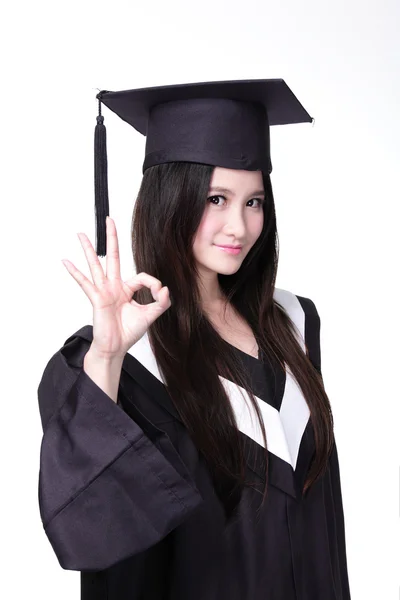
336 186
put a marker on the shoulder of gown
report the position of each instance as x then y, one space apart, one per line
303 313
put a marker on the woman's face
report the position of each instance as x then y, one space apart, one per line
233 216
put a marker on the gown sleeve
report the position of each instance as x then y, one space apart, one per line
334 470
105 490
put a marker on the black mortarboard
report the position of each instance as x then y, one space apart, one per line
220 123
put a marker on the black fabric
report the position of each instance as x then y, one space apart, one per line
126 499
100 472
223 123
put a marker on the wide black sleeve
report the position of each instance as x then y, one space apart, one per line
105 490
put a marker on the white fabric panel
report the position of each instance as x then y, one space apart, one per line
284 428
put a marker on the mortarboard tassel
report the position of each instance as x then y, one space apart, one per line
100 182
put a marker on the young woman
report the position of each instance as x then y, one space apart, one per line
188 448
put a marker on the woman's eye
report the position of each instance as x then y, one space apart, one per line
212 197
259 200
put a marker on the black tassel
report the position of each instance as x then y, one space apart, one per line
100 182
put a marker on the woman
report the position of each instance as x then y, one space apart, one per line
158 478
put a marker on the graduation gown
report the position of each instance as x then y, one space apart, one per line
126 499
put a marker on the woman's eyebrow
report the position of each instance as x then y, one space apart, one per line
227 191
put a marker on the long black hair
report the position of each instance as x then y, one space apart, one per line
190 352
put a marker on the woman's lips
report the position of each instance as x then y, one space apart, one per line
229 250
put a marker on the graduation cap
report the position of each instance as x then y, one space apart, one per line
220 123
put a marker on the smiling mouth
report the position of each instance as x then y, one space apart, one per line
229 250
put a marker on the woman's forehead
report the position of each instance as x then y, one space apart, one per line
231 180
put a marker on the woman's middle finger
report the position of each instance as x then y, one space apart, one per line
112 265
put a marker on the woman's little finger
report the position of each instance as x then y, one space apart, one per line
88 287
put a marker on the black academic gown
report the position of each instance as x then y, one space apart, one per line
126 499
